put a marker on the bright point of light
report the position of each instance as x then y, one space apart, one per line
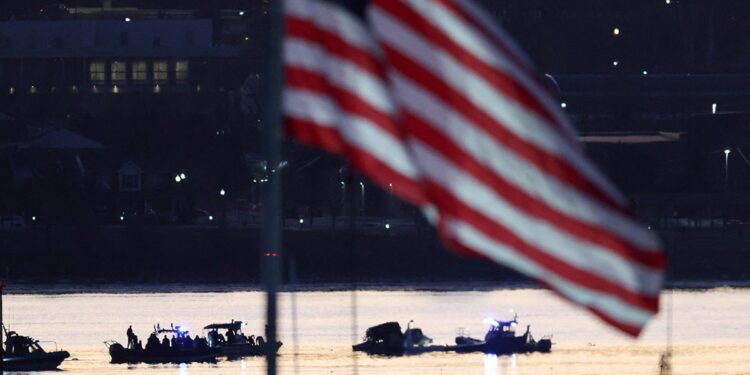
362 184
668 1
301 221
255 181
727 151
122 218
616 31
222 192
182 329
713 108
615 63
342 183
387 226
242 13
33 218
645 72
564 105
210 218
177 178
182 176
247 38
127 19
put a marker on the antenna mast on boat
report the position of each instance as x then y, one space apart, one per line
270 244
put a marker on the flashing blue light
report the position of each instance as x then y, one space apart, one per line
182 329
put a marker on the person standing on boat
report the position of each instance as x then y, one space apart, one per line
132 338
165 342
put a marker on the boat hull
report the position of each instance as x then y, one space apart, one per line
379 348
35 362
246 350
119 354
504 345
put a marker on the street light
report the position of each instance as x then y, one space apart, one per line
726 168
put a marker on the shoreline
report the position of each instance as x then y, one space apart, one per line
384 286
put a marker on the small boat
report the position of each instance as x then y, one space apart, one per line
183 350
24 353
234 344
388 339
501 339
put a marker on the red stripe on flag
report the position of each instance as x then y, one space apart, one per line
327 138
347 101
334 44
500 80
550 164
629 329
450 206
524 201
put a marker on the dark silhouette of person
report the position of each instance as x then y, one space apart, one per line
212 337
152 343
132 338
174 342
230 337
165 342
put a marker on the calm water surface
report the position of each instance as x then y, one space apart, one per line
711 331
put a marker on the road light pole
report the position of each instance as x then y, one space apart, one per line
726 168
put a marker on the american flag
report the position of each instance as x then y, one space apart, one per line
433 100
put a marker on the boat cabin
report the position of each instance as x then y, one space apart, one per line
500 328
19 346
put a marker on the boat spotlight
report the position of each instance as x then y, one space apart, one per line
491 322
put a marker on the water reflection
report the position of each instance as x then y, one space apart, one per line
80 322
507 364
490 364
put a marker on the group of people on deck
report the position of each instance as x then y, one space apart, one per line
215 338
179 341
184 341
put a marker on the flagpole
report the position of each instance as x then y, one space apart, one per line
270 250
2 327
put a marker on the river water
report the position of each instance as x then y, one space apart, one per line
711 330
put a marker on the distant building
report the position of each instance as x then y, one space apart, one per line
115 57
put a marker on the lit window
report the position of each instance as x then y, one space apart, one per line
160 70
118 71
181 70
96 71
140 71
